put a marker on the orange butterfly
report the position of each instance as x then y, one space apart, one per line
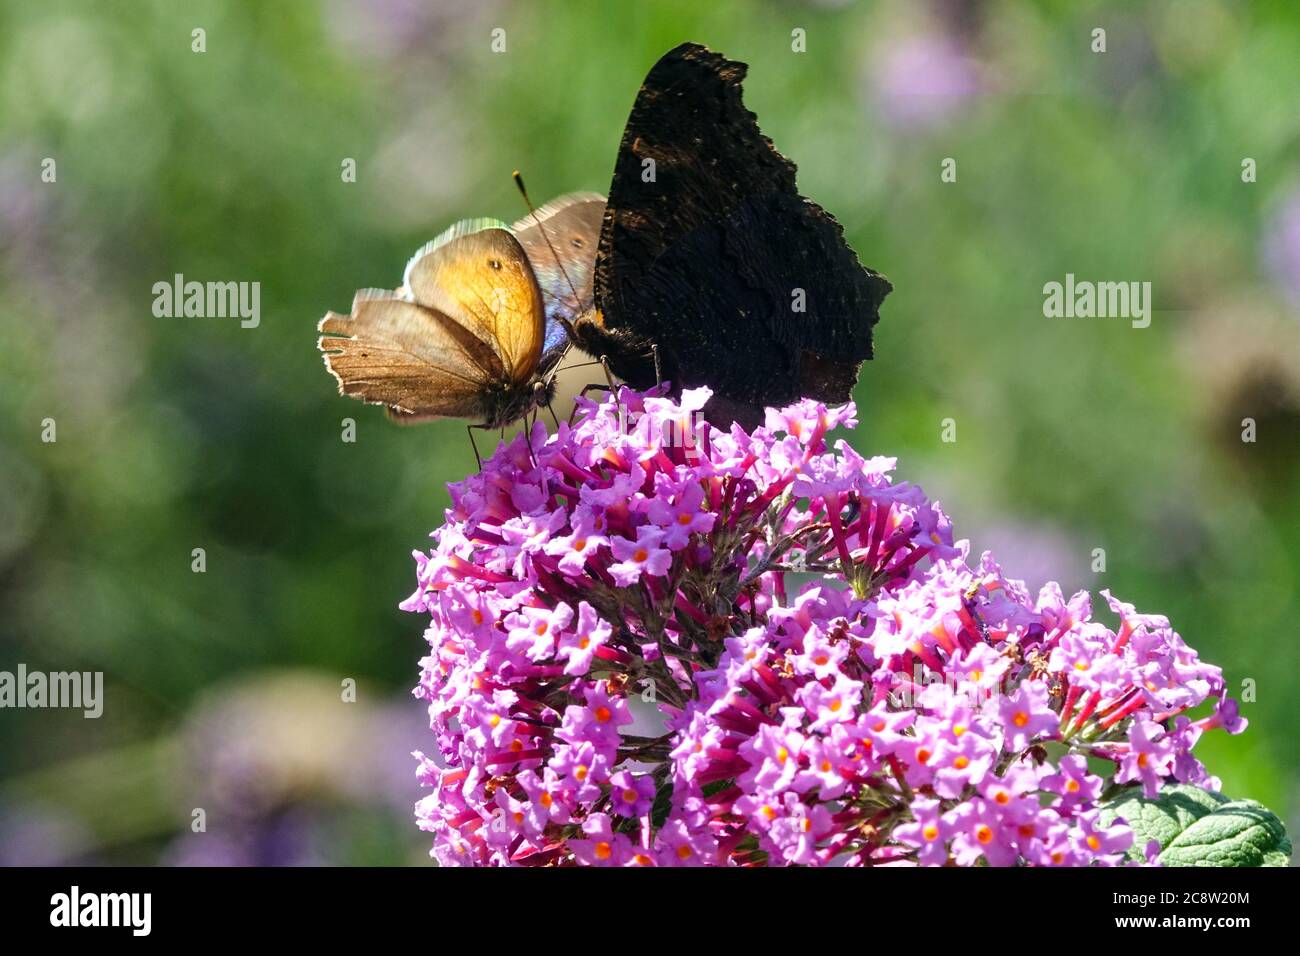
477 329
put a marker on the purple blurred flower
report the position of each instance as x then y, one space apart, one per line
1282 246
391 28
922 80
294 838
27 215
1034 551
37 837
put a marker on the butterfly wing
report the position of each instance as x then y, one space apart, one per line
708 251
478 274
416 360
564 266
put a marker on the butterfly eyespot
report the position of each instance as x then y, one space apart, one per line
577 242
494 263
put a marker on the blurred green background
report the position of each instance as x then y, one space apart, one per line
223 688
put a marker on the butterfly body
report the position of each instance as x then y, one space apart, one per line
506 403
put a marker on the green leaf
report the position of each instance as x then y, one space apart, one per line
1239 833
1196 827
1162 819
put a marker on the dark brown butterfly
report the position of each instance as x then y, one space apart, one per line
477 328
711 266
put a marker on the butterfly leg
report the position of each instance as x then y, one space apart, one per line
593 387
601 386
528 435
469 430
654 352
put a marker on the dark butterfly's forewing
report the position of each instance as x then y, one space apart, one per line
567 227
708 252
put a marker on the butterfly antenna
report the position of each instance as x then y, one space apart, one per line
519 183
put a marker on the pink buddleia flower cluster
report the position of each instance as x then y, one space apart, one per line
625 669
